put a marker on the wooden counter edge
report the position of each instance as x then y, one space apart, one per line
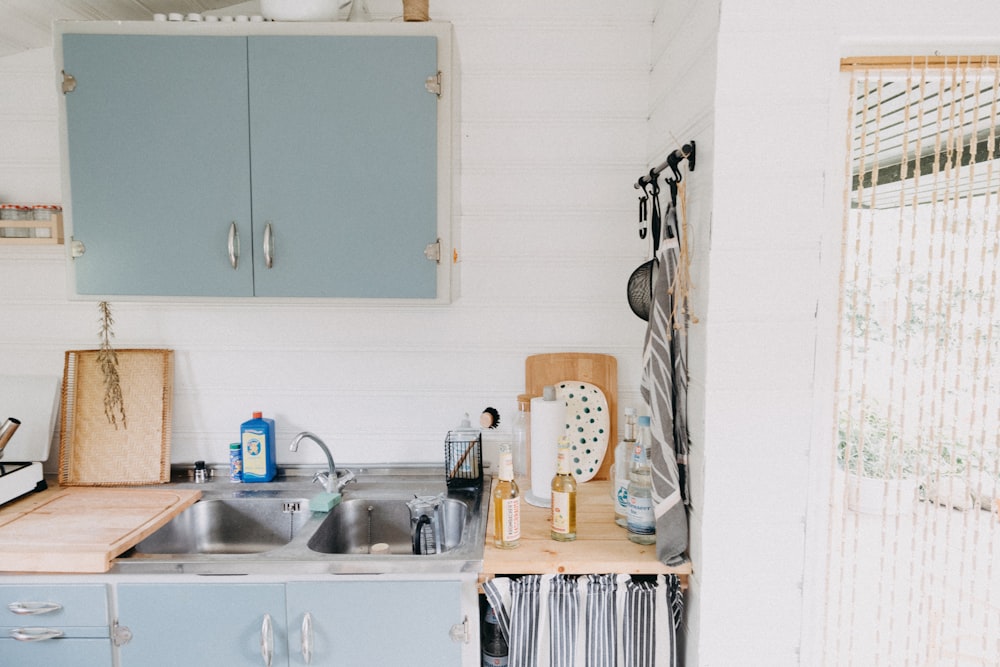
601 547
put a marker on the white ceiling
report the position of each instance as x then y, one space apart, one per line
27 24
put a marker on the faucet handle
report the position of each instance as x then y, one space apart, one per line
323 477
345 477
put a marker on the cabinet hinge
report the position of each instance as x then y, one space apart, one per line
433 251
120 634
433 84
76 248
68 82
459 632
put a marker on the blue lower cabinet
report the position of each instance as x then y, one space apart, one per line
359 623
200 624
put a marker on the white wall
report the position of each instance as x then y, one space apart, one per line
552 136
682 108
774 165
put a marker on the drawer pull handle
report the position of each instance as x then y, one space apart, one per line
33 608
267 640
35 634
307 638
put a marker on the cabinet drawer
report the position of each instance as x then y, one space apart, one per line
61 652
78 606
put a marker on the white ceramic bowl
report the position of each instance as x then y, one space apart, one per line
299 10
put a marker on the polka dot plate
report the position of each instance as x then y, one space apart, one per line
588 423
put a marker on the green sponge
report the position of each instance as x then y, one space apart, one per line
324 502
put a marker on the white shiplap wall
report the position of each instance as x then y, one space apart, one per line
552 134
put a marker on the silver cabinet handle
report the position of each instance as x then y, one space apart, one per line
268 246
33 608
267 640
307 638
35 634
233 246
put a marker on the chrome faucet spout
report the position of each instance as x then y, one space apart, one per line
330 484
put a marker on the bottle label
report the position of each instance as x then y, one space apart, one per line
621 496
236 464
560 512
254 456
641 520
494 660
511 520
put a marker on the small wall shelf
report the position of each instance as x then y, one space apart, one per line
32 232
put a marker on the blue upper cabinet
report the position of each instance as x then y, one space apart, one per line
343 137
262 164
158 163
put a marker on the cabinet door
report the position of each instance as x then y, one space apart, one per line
157 138
201 625
344 163
375 623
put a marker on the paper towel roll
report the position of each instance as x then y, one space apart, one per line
548 424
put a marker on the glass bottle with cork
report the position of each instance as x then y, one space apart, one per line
506 505
563 496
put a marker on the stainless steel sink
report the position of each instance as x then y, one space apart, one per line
268 528
355 525
230 526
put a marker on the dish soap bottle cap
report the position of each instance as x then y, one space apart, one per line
258 415
548 393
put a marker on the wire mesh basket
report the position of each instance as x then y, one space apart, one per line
463 459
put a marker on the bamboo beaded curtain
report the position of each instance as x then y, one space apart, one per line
914 527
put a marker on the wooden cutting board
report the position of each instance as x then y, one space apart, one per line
600 370
83 529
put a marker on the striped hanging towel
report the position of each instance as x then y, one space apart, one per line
664 388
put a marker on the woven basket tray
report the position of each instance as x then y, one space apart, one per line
92 451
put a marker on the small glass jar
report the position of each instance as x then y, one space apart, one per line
15 212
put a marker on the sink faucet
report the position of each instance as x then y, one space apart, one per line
332 481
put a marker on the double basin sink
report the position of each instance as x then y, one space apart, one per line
269 527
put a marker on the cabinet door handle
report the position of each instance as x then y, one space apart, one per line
35 634
307 638
33 608
233 246
267 640
268 246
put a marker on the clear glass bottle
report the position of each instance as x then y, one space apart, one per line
521 437
563 497
623 457
506 506
641 520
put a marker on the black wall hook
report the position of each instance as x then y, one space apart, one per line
685 152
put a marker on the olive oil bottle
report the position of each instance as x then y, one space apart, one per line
563 497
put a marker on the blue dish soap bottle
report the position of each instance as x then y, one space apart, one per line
257 438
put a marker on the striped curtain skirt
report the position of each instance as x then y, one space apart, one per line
595 620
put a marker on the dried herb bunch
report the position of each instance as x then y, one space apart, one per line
114 406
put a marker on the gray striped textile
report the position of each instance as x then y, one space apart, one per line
664 388
597 620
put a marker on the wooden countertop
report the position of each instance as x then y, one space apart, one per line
601 545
